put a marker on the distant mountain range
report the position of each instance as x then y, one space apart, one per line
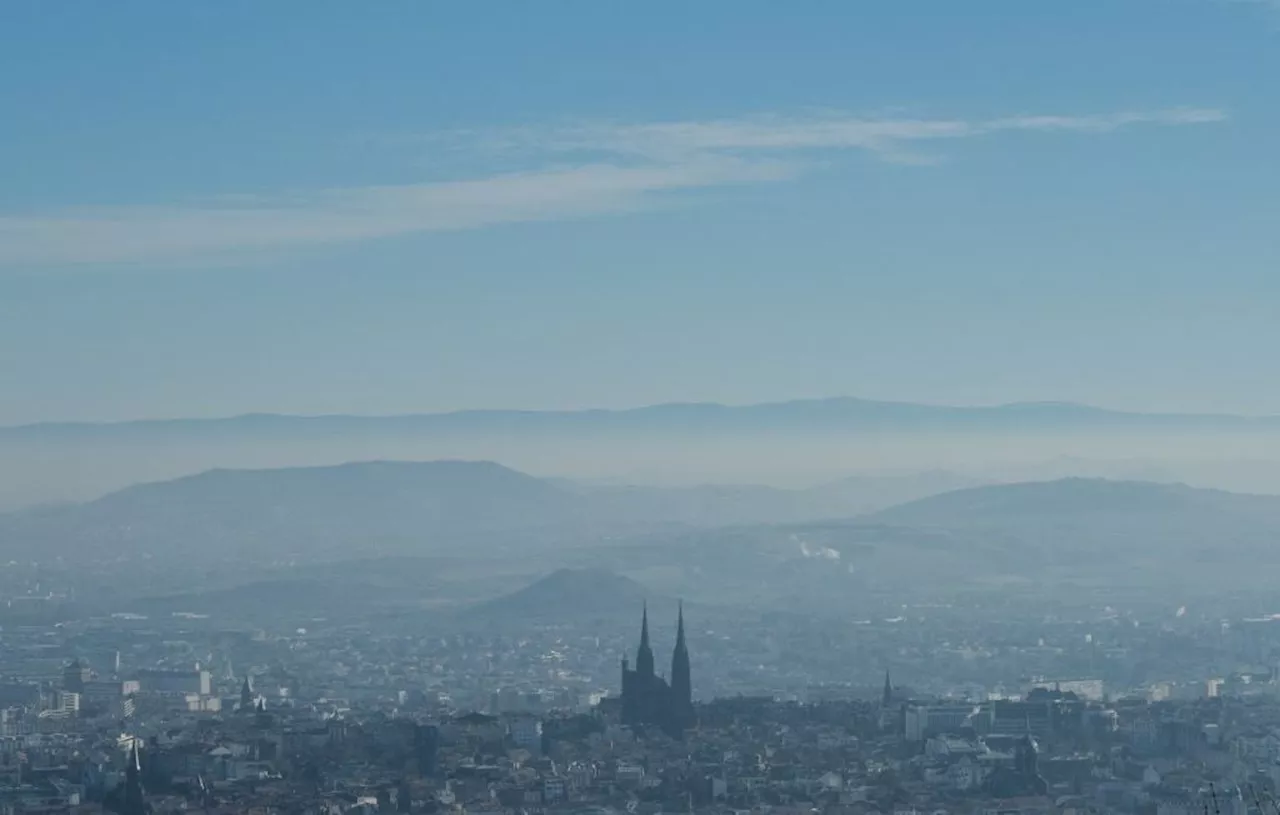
1061 501
450 533
722 505
1094 526
784 443
1071 539
420 507
843 413
444 507
299 511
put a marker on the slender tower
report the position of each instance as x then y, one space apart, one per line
681 680
888 691
644 656
681 712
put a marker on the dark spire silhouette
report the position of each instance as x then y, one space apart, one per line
246 694
680 658
680 646
681 676
644 656
888 690
648 699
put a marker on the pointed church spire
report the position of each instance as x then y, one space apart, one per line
888 690
680 660
681 679
644 656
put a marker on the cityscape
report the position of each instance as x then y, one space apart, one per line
670 407
181 713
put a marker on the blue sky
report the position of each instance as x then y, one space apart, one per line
210 208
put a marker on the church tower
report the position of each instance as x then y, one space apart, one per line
644 656
890 719
246 695
681 680
647 699
681 710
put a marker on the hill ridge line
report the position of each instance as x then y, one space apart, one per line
835 401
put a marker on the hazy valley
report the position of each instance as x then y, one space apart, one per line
794 444
437 538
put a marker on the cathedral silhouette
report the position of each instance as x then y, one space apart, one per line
647 699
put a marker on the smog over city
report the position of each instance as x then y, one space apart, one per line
731 408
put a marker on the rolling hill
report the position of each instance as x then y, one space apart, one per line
314 511
389 507
1096 499
567 594
731 542
1095 529
783 443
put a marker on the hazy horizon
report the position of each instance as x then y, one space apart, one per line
422 211
374 376
919 203
1166 411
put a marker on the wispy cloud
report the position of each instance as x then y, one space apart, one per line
842 131
889 138
584 170
125 234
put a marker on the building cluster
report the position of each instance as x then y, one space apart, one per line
1047 752
143 718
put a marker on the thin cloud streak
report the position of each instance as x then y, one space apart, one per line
148 234
631 166
881 136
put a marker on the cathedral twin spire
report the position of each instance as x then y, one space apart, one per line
681 681
679 658
648 698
